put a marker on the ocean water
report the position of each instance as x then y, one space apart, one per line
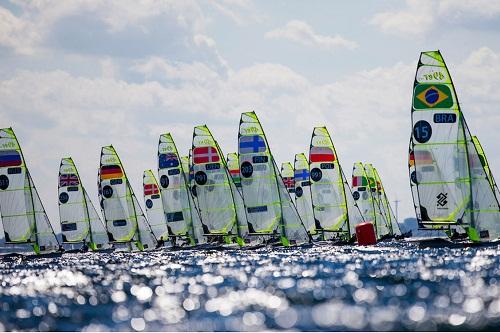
390 286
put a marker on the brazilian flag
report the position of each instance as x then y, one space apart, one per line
432 96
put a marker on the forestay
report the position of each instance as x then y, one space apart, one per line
80 222
23 215
451 185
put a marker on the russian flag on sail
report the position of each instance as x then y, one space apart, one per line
10 158
151 189
321 154
205 155
359 181
252 144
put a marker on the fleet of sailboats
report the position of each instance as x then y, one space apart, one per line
243 199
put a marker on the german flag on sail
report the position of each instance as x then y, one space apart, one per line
321 154
432 96
359 181
424 160
111 172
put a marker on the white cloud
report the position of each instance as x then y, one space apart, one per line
56 113
302 33
419 17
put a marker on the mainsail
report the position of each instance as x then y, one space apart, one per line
174 190
486 166
382 224
362 192
234 169
187 168
23 216
452 189
386 205
213 189
80 222
154 206
287 175
125 220
303 199
328 186
270 209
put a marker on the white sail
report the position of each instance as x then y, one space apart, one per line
154 206
327 186
197 223
287 176
23 216
121 210
382 225
174 190
80 222
303 199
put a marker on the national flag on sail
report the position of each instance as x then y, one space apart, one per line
151 189
432 96
412 159
111 172
321 154
359 181
252 144
301 175
235 173
289 183
10 158
168 160
205 155
68 179
423 157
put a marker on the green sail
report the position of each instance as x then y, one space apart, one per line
79 219
451 187
382 224
175 191
270 209
214 189
23 215
125 220
328 186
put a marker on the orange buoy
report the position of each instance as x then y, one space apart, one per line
365 233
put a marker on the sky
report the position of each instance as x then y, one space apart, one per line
78 75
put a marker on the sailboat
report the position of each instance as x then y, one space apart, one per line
125 220
452 190
303 198
216 195
382 224
175 193
270 210
23 215
234 169
335 210
486 166
154 206
80 222
287 176
386 206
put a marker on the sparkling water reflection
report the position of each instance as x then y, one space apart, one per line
392 286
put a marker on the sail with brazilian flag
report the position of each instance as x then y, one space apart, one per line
125 220
328 187
270 210
453 190
23 216
80 222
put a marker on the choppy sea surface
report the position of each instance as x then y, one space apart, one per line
390 286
